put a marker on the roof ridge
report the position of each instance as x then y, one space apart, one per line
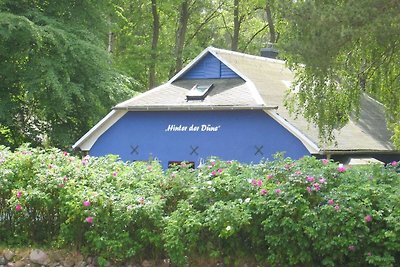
246 55
373 99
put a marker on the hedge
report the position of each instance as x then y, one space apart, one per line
283 212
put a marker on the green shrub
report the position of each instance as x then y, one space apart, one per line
307 212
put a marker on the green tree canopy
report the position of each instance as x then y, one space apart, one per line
340 50
56 80
186 27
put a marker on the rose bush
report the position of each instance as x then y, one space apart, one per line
307 212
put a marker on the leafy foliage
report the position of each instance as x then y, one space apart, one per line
341 50
56 78
281 213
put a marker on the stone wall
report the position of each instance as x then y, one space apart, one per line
62 258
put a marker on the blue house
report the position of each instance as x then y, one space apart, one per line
229 105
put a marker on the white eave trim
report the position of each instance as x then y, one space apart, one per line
310 145
193 107
86 142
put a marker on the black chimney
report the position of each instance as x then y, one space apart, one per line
270 51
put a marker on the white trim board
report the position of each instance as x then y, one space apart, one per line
310 145
87 141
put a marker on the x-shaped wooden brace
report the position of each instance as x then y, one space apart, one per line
135 150
259 150
194 150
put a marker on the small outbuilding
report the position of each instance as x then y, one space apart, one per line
229 105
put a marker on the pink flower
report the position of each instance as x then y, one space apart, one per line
278 191
341 168
114 174
309 189
310 179
86 203
65 178
18 207
331 202
213 173
316 187
220 170
85 160
254 182
352 248
270 176
212 163
337 208
288 166
394 163
65 153
19 194
298 173
259 183
368 218
89 220
322 180
263 192
324 161
369 254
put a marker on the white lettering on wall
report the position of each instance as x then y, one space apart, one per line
209 128
192 128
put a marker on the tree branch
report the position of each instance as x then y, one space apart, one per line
208 19
254 36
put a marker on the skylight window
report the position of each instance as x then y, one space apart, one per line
198 92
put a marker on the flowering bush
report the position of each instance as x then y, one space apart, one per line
278 213
102 205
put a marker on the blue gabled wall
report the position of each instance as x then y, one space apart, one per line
209 67
247 136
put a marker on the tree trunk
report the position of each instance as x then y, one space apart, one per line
236 26
181 34
271 26
111 38
154 44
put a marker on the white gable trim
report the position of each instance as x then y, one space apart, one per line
86 142
310 145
